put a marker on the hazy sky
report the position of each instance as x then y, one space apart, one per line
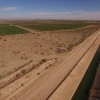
50 9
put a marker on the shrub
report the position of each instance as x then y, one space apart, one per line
43 60
9 73
46 68
22 84
5 40
38 73
0 76
24 71
18 75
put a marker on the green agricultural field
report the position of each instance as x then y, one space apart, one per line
51 27
6 29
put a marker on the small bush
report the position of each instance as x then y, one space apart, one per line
9 73
25 58
43 60
38 73
22 58
24 71
18 75
46 68
5 40
31 60
0 76
22 84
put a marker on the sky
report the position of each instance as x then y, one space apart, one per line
50 9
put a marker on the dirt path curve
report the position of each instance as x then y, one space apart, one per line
47 84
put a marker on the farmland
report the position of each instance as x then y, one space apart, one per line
53 25
6 29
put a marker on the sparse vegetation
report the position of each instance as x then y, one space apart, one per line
0 76
58 50
9 73
18 75
24 71
70 47
43 60
38 73
22 84
5 40
46 68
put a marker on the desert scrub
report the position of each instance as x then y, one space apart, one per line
22 85
0 77
70 47
5 40
18 75
9 73
38 73
59 50
44 60
24 71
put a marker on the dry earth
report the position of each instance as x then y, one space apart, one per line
28 56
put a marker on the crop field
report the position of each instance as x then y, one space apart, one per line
6 29
50 27
53 25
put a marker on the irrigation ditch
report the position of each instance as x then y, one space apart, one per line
82 92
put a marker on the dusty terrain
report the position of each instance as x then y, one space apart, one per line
28 56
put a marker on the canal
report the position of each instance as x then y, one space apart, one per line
82 92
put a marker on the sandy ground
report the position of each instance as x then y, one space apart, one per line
28 56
